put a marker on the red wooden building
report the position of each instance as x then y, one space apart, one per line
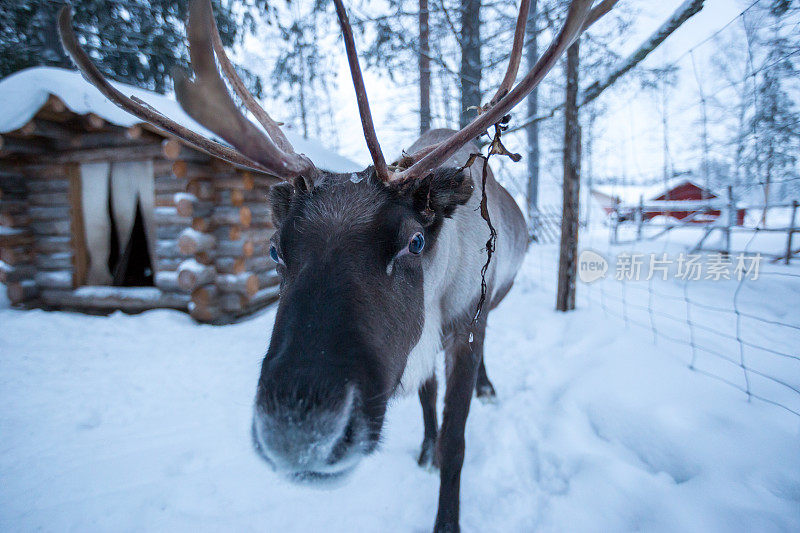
688 191
664 201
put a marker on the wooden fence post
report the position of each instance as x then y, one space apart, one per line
614 225
791 231
639 218
730 212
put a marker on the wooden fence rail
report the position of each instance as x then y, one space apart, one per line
725 222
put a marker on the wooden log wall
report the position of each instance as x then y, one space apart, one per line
169 225
245 268
213 225
36 166
49 210
214 237
17 257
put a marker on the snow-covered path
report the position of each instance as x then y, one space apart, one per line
132 423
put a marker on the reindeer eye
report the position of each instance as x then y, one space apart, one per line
416 244
273 253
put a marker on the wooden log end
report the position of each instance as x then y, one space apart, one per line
248 181
184 203
186 246
237 197
171 148
203 313
201 224
191 242
187 280
180 169
205 296
134 132
245 216
55 104
202 188
95 122
248 248
192 274
251 285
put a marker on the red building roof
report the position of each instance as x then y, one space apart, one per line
685 190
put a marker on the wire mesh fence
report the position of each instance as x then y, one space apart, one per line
739 328
696 114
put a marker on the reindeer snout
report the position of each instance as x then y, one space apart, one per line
309 429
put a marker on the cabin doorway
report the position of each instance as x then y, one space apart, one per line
117 210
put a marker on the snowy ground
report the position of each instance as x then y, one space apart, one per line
132 423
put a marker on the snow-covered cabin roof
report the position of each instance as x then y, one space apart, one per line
24 93
630 194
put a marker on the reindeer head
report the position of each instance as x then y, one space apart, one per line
352 254
353 250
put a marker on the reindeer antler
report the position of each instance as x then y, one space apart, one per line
516 53
361 94
272 127
207 100
519 37
580 16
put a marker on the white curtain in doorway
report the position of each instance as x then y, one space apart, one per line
94 201
132 181
127 182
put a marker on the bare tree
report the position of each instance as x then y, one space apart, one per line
470 73
303 72
775 122
567 268
532 129
568 260
704 142
730 62
424 68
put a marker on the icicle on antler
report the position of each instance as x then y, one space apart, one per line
580 16
207 100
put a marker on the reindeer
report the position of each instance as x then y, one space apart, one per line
381 269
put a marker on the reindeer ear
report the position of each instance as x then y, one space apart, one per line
279 198
439 193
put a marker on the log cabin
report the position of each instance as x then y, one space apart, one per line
100 212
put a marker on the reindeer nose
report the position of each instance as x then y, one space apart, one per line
292 384
308 429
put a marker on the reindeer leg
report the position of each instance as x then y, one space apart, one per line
483 387
462 369
427 397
